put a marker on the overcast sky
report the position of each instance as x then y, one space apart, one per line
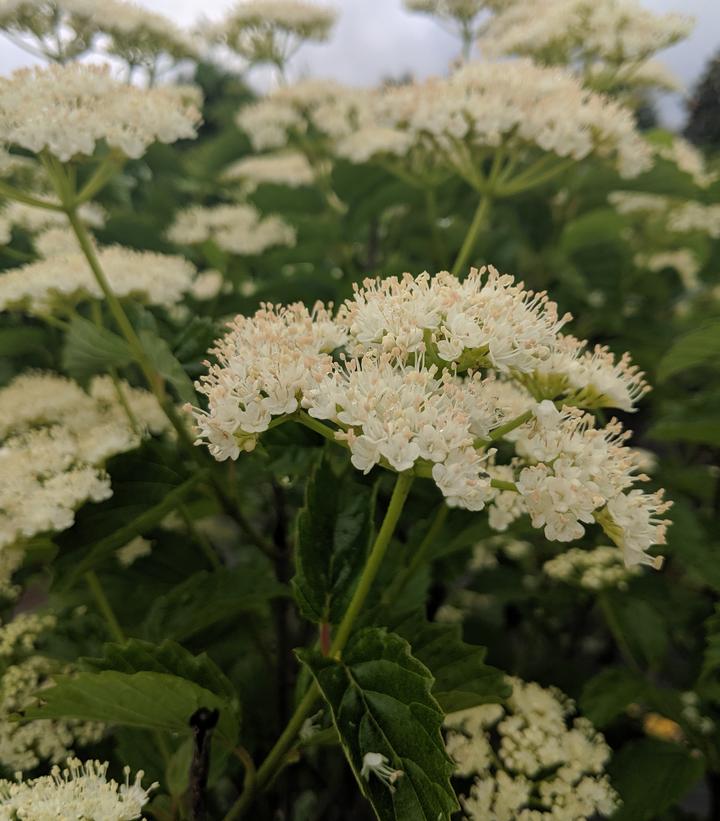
378 38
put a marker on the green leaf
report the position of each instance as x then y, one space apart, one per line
461 677
606 695
600 227
159 353
699 346
91 349
644 628
206 598
651 776
155 701
96 552
333 533
380 700
135 656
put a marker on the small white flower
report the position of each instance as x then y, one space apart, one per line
378 765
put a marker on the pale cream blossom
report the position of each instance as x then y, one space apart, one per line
54 441
518 107
88 105
289 168
64 280
621 34
80 790
239 229
530 760
271 31
596 569
23 745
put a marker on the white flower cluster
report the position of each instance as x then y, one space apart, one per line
208 284
64 280
683 260
81 790
433 370
238 229
270 30
55 439
688 159
139 35
614 32
61 29
596 569
461 10
528 762
320 105
515 105
289 168
675 215
88 105
263 365
35 220
24 745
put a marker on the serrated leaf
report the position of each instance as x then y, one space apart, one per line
155 701
380 701
135 655
651 776
207 598
697 347
159 353
333 533
606 695
91 349
461 677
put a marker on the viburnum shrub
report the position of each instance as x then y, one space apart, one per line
309 511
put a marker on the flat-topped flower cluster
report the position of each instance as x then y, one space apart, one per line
79 790
54 441
89 105
525 109
530 760
64 278
426 374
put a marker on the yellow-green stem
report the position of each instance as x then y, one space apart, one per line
471 237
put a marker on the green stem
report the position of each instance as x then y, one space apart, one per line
471 237
398 584
274 760
103 174
524 182
392 515
13 193
500 431
104 606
